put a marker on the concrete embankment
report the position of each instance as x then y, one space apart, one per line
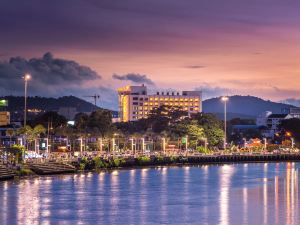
243 158
99 163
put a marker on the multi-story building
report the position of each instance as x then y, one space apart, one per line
135 103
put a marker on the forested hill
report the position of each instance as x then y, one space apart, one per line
16 103
244 105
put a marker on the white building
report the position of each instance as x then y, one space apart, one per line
272 121
262 118
135 103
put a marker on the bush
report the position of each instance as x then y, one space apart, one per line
143 160
203 150
159 159
100 163
82 166
24 172
117 162
174 159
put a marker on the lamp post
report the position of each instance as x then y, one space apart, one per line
225 99
26 79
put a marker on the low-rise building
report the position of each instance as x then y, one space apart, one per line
135 103
270 122
4 118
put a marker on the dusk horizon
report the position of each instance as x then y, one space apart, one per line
152 112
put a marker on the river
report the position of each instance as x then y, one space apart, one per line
261 193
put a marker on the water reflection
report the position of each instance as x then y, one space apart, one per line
225 194
226 171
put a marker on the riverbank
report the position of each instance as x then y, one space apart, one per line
98 164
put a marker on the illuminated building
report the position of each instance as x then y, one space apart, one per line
135 103
4 118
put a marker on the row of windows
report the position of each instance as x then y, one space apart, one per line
166 99
171 103
140 109
167 103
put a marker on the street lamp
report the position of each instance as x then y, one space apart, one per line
26 78
225 100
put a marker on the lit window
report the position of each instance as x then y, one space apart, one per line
196 109
191 99
151 103
145 108
146 113
185 108
171 103
151 99
181 103
181 99
196 104
156 99
140 108
140 112
166 99
166 103
156 103
186 103
196 99
176 103
161 99
186 99
145 103
171 99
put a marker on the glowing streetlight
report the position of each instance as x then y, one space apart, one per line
225 100
26 78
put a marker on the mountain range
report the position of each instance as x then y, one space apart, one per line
243 106
237 106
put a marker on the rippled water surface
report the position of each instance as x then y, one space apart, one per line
216 194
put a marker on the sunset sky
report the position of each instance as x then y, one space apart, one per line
80 47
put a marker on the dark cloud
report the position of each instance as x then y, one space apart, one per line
134 77
194 67
48 70
50 77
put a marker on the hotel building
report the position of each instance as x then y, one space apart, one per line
135 103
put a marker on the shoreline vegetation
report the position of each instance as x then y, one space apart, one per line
98 164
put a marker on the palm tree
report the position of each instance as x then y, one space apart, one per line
30 134
10 132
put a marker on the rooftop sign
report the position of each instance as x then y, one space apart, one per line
3 102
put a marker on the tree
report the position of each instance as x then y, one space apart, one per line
195 133
100 121
81 121
51 118
30 133
10 132
164 116
291 126
213 128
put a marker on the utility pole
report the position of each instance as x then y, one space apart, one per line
26 79
225 99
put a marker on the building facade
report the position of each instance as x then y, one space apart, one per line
4 118
270 122
135 103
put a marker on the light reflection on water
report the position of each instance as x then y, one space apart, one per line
217 194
